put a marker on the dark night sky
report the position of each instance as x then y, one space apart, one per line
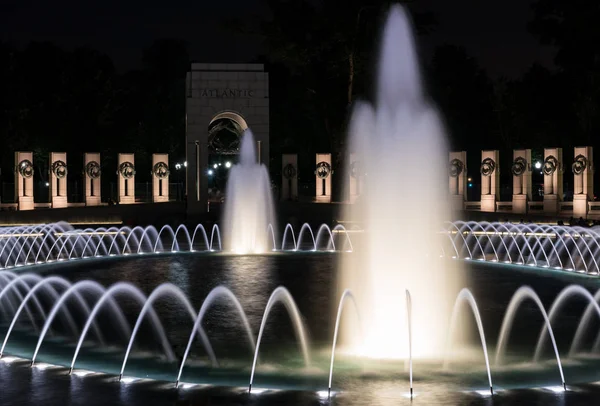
493 31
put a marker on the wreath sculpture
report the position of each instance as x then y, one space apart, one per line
488 166
161 170
92 169
289 171
25 168
550 165
323 170
59 169
580 164
519 166
126 170
456 167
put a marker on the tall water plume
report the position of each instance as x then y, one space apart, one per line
401 146
248 204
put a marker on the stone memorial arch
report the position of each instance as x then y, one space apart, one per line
238 93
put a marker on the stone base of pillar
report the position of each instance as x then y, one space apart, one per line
580 206
323 199
59 202
92 201
488 203
126 199
519 203
160 199
551 205
457 202
26 203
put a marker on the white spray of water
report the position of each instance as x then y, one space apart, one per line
401 145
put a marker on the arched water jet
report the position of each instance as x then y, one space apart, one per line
282 295
187 235
86 236
12 287
158 244
272 233
210 298
583 323
123 287
91 285
174 291
471 235
289 227
205 237
304 227
346 295
137 241
524 292
566 293
121 236
325 228
341 229
46 282
213 232
146 236
466 295
103 236
460 234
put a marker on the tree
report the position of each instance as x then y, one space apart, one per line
463 92
571 26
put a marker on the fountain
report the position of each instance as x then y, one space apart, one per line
401 145
404 246
249 203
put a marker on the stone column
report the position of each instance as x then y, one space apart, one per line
160 178
458 180
490 180
24 180
289 177
58 179
521 171
91 178
323 173
356 184
583 182
553 179
126 175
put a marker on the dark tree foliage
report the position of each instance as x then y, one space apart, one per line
572 27
75 101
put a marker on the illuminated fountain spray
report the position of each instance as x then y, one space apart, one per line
401 146
249 203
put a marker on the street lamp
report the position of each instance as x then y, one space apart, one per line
178 166
538 165
227 164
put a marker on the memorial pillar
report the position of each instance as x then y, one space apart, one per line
553 179
289 177
521 171
583 182
24 180
490 180
91 178
160 178
458 179
126 174
323 173
58 179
